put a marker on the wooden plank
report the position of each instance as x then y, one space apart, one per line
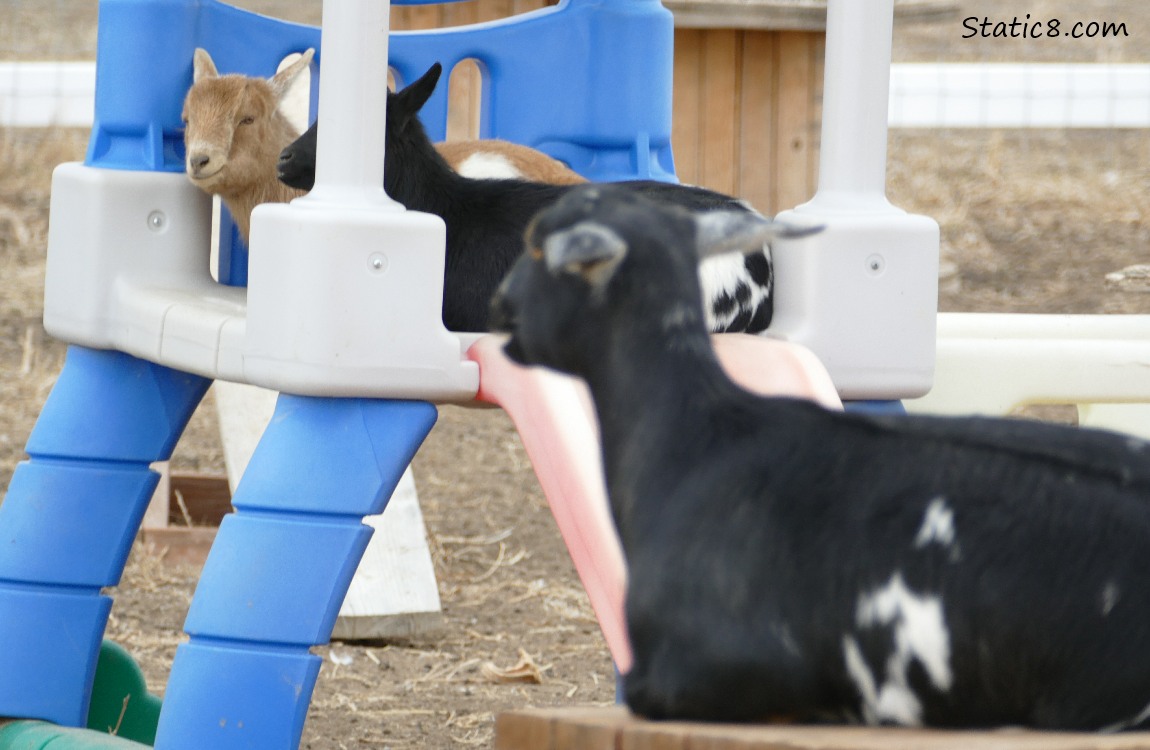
589 729
412 17
525 6
199 500
520 730
817 51
685 113
187 539
156 514
490 10
720 109
756 146
797 129
555 728
657 737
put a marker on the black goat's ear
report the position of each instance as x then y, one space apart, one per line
720 232
587 249
412 98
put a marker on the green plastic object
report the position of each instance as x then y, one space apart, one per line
41 735
120 703
120 698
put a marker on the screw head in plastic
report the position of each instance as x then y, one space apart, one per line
875 265
157 221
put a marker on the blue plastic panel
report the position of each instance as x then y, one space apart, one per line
51 641
228 697
620 47
609 117
352 469
111 406
72 523
276 579
144 68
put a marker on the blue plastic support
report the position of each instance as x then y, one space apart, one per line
69 518
279 568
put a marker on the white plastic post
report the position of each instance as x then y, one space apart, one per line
852 166
345 285
353 99
863 293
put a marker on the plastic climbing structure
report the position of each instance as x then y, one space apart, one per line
337 306
358 342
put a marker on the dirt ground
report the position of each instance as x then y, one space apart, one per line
1031 222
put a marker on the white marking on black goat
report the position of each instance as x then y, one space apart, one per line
485 166
1109 597
920 633
728 284
937 525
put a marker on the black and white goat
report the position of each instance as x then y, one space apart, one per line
486 219
790 561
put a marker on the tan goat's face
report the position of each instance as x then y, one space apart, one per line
233 133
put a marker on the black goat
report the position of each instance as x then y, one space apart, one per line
486 218
790 561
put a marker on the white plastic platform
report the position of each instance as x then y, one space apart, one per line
995 363
337 317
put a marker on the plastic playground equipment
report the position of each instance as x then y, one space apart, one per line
341 313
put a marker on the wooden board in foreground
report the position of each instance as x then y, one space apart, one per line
614 728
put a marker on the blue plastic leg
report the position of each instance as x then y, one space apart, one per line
279 568
69 518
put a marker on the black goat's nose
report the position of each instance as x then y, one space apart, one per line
285 156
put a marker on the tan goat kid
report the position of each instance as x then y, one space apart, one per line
234 132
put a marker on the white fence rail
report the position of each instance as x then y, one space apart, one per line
922 95
1003 95
40 94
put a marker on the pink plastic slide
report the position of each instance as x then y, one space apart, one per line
556 421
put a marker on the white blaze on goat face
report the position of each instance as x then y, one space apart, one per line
919 633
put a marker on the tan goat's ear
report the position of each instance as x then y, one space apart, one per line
281 82
202 65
